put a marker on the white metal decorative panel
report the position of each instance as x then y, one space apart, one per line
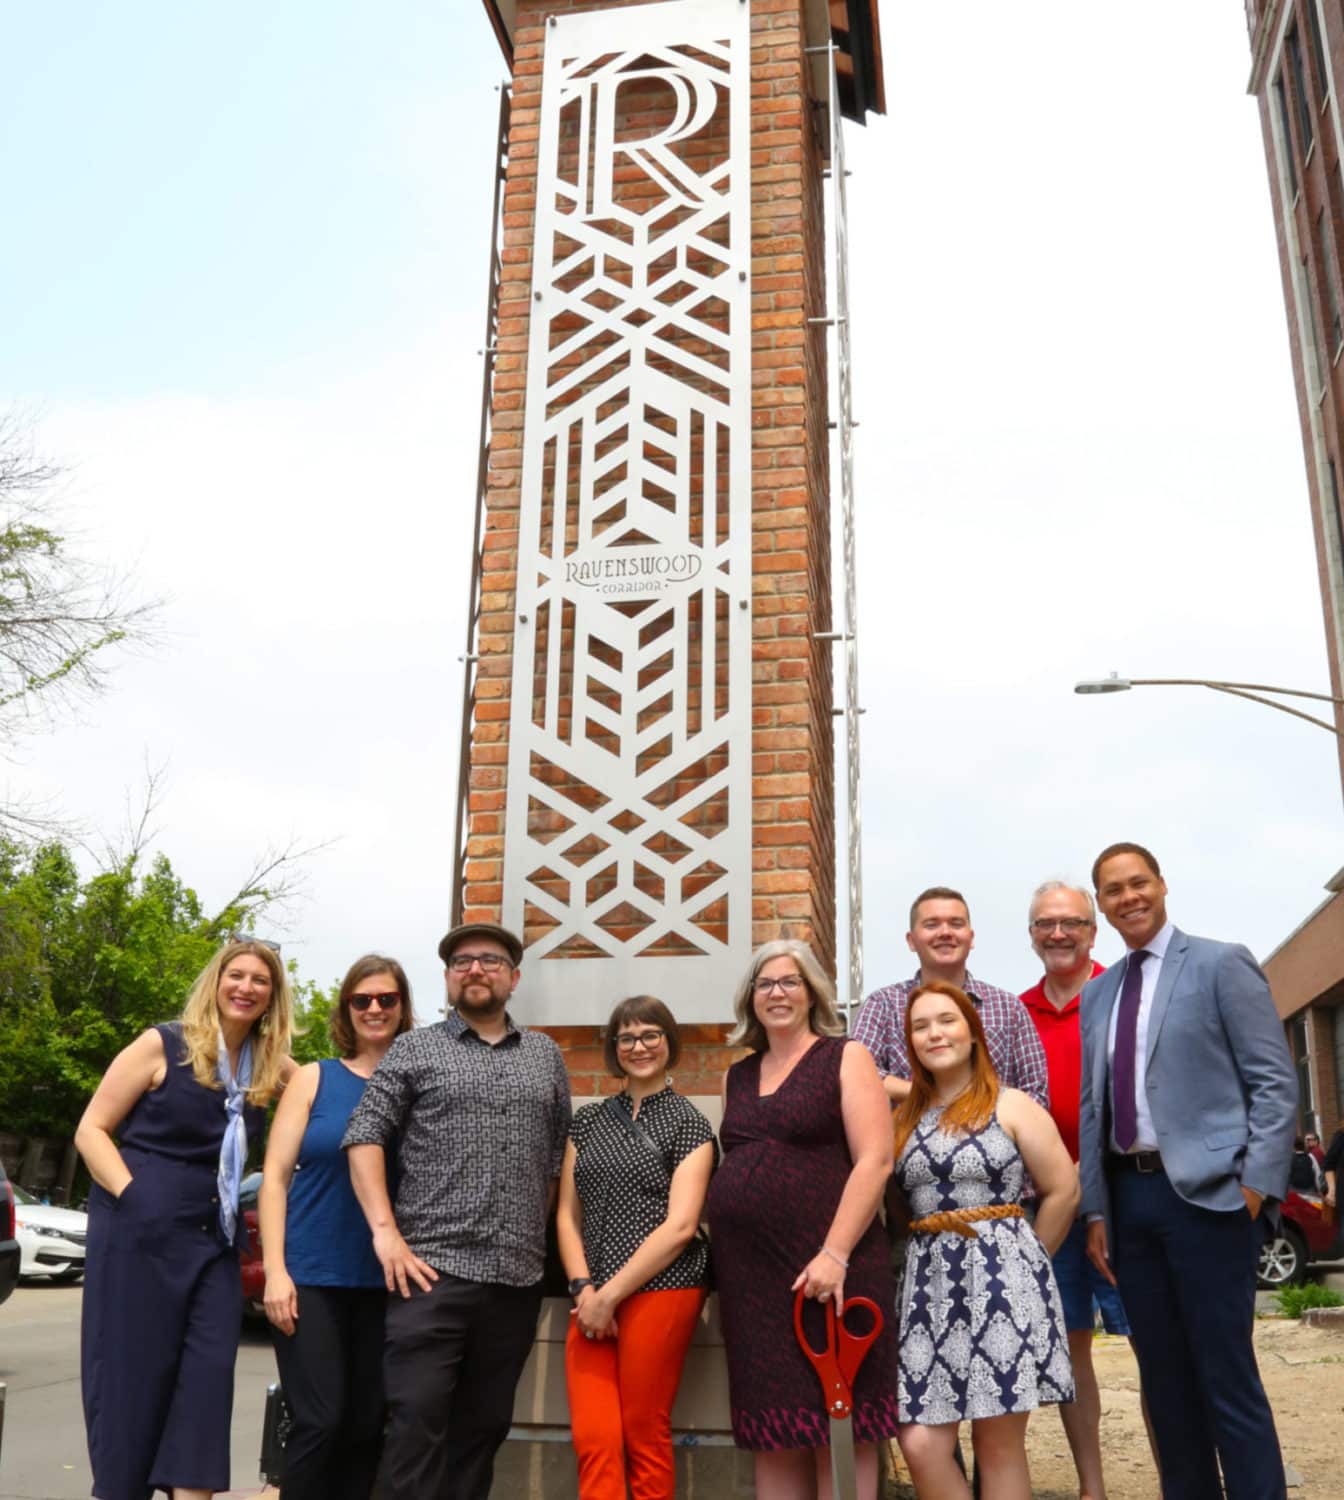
627 860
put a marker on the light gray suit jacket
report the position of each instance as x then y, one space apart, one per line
1220 1082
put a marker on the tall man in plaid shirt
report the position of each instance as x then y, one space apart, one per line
941 937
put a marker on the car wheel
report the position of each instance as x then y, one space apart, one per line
1283 1261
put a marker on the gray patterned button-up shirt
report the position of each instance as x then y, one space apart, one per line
479 1133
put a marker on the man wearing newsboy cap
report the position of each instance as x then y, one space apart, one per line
477 1112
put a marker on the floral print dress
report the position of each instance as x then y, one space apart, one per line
982 1329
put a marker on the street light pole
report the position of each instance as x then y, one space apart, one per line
1251 690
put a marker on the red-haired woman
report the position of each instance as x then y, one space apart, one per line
982 1330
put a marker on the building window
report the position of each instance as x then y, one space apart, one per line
1325 248
1306 1101
1318 49
1339 1065
1313 358
1337 515
1289 161
1293 46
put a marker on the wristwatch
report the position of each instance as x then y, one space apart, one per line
578 1284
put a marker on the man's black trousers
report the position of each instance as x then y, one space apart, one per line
451 1362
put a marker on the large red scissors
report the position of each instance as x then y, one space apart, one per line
836 1365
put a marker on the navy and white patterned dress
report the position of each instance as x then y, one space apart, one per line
982 1329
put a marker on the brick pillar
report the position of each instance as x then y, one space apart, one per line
791 738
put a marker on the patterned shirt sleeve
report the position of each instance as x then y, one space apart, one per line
877 1029
381 1113
693 1130
562 1113
1029 1068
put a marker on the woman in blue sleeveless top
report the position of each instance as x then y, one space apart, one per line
162 1295
325 1292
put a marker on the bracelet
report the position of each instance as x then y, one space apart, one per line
838 1259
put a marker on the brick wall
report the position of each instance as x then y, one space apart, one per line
793 825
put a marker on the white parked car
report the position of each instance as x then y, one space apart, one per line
51 1240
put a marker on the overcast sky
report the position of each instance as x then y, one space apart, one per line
244 286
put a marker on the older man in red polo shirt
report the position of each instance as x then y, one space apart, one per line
1063 927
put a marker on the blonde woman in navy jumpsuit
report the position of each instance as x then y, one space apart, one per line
162 1298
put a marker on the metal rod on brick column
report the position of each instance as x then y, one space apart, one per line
844 428
470 657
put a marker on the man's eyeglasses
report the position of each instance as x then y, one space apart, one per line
788 984
629 1040
1044 926
491 963
389 1001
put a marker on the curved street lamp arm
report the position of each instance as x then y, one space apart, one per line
1245 689
1239 691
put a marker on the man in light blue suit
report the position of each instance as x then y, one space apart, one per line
1186 1123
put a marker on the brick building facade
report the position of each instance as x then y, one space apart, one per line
1297 52
784 606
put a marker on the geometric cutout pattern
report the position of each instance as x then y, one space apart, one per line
628 811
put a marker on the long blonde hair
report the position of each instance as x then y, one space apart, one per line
823 1018
271 1033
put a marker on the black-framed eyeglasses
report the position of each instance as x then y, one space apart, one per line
627 1041
491 963
388 1001
787 982
1044 926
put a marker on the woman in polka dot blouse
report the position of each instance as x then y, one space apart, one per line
632 1190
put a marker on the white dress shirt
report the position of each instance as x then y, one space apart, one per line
1146 1139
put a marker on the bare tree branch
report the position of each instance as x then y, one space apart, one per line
58 612
276 880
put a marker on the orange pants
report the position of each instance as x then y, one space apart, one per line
621 1392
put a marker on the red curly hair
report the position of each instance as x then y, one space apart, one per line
969 1110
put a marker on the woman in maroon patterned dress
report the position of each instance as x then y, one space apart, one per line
807 1152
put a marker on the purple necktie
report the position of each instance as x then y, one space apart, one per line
1123 1060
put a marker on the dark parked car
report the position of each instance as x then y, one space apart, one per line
1308 1231
249 1249
9 1245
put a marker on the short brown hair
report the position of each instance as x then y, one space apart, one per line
342 1029
936 893
1111 850
640 1008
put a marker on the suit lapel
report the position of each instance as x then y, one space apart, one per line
1166 982
1102 1027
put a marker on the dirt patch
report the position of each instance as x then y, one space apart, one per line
1303 1371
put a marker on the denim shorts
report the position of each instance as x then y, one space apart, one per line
1082 1288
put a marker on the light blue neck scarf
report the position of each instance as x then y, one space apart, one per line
233 1148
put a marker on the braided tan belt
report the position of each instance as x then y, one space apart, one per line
959 1220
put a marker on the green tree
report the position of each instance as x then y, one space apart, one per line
86 965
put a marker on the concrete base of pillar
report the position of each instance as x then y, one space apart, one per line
528 1469
537 1462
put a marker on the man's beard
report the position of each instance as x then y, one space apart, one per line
481 1001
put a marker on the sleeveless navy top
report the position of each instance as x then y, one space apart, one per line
327 1238
170 1142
